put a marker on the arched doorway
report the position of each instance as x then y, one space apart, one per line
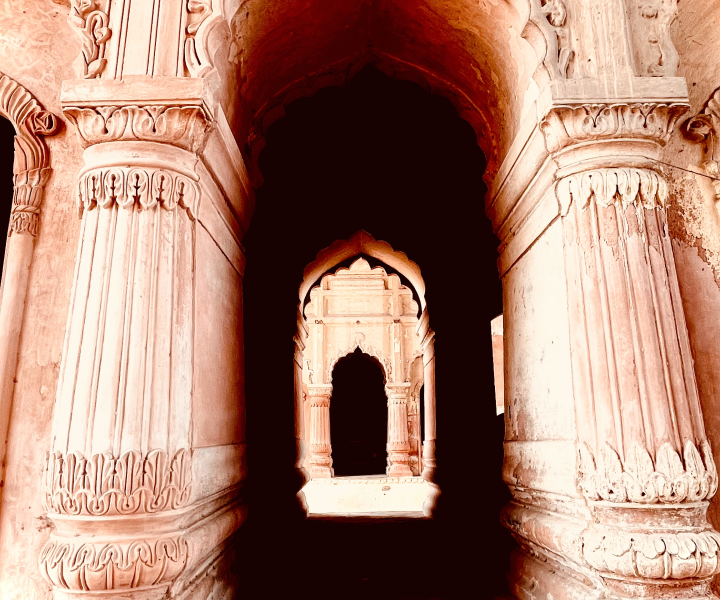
358 418
411 175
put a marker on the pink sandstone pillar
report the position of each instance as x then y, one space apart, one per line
320 447
398 445
427 336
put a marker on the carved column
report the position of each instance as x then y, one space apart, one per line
644 469
320 447
398 445
300 444
119 477
31 171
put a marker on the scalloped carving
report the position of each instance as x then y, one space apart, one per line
361 243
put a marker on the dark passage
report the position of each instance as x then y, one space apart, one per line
358 416
388 157
7 154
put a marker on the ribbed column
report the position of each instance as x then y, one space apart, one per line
398 445
320 447
645 464
121 440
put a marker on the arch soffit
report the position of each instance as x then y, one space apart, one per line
485 69
362 243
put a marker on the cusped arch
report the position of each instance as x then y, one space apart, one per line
362 243
358 341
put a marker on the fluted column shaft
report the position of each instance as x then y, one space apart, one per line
398 446
320 447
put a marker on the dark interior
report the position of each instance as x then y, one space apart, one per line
385 156
358 416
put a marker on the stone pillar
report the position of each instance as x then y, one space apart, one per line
398 445
320 447
641 437
427 344
635 523
144 475
300 444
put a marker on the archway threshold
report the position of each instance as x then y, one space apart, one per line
366 495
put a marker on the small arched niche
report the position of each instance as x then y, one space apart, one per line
363 313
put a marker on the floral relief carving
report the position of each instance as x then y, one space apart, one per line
89 19
652 555
668 480
566 125
197 13
135 187
104 485
181 126
629 185
655 51
550 17
84 565
31 170
704 127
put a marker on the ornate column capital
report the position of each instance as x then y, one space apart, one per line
567 125
182 126
397 393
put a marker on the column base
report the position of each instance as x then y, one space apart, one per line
321 472
399 470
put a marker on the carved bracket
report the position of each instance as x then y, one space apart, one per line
32 158
704 128
89 19
567 125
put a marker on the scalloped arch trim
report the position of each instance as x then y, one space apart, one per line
362 243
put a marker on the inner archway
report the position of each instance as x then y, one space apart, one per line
390 158
358 416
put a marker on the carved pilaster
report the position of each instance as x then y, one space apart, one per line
548 33
398 445
320 446
649 24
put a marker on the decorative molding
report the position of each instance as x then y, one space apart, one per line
547 32
567 125
182 126
682 555
198 12
90 19
705 127
104 485
359 342
128 187
628 185
89 566
31 169
668 480
649 26
320 392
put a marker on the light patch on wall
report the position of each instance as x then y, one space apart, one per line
496 332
